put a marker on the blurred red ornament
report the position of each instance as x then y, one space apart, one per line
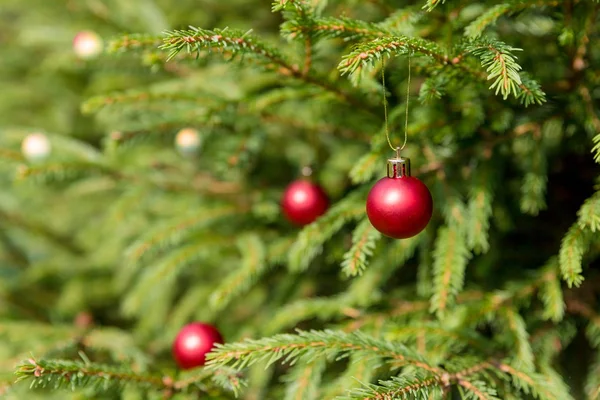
399 205
303 202
193 342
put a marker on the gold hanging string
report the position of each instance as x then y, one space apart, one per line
385 111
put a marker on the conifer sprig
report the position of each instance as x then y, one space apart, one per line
77 374
239 43
310 241
331 28
570 256
415 386
364 240
500 63
252 266
476 27
313 344
451 256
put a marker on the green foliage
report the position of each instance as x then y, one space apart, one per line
121 234
417 386
253 265
570 257
364 240
450 260
310 241
311 344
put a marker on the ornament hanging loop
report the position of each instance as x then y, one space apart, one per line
398 167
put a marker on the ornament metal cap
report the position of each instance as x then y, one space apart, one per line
398 167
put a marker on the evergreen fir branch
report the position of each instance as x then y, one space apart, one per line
225 378
64 171
120 344
252 267
589 213
596 148
37 228
278 250
533 383
490 16
311 239
134 42
519 338
480 212
174 231
550 292
366 167
368 54
476 390
241 43
332 28
364 240
162 272
304 379
530 91
299 5
96 103
313 344
450 260
415 386
76 375
438 336
533 190
573 246
501 64
476 27
322 308
237 42
358 370
228 379
406 15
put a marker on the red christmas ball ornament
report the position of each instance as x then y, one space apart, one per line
399 205
193 342
303 202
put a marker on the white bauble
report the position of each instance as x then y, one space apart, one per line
188 141
36 147
87 44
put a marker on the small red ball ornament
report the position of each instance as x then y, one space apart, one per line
303 202
399 205
193 342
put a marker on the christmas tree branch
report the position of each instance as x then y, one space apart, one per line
134 42
476 27
589 213
39 229
96 103
240 43
364 240
312 237
252 267
367 54
64 373
314 344
172 232
332 28
414 387
570 257
451 256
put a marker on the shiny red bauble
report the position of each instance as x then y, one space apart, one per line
193 342
303 202
399 207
